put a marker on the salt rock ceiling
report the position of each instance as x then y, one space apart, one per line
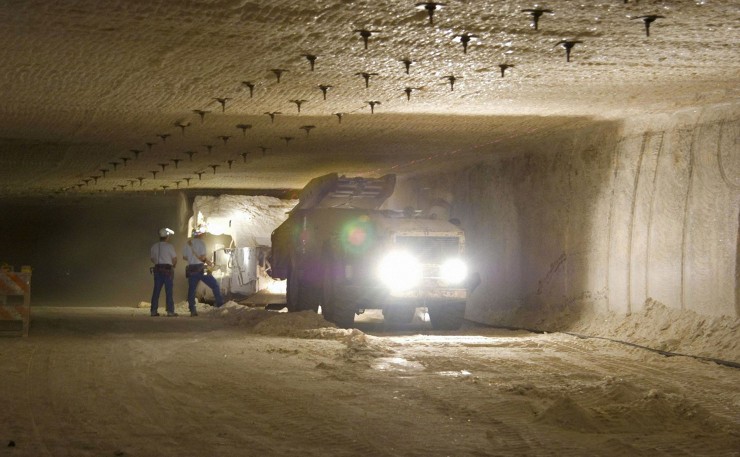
103 96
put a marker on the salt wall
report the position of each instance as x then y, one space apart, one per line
604 217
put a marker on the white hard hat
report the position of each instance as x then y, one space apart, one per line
199 230
163 232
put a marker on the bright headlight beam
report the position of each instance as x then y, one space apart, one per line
400 271
453 271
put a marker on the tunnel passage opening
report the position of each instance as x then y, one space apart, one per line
237 233
94 251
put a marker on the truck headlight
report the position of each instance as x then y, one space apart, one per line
400 271
453 271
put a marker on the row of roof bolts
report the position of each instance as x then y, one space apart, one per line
132 182
176 161
536 12
465 38
123 161
431 7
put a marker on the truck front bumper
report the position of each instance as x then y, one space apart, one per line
380 297
430 294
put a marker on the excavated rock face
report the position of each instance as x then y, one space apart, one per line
98 94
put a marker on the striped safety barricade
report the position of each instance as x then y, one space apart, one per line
14 285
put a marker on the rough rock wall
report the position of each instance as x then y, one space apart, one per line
603 218
680 183
248 219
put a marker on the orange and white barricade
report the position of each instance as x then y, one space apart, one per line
14 285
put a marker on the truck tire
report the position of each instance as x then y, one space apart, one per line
293 290
398 315
336 305
344 309
327 295
300 294
310 296
447 316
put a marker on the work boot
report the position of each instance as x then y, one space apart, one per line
154 314
172 314
194 314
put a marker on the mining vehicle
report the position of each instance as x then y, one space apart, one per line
340 252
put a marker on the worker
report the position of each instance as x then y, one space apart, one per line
164 258
195 255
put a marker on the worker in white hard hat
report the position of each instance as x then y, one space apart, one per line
164 258
195 254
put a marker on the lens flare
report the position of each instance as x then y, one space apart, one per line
357 235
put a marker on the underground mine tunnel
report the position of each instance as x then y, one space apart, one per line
589 153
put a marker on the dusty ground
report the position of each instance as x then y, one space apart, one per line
242 382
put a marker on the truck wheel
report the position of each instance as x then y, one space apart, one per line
398 315
327 295
337 307
293 291
343 309
310 296
447 316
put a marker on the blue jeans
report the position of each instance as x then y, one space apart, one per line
162 278
208 280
